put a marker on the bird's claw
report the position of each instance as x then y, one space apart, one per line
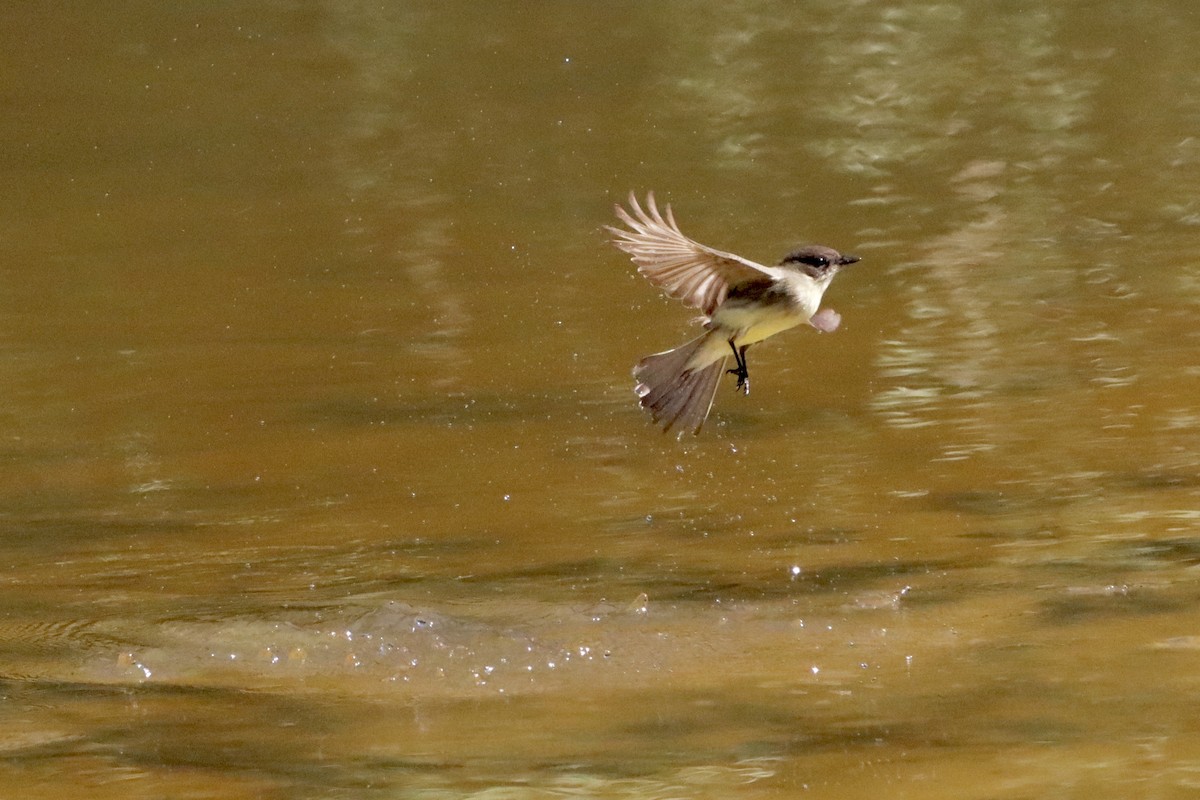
743 379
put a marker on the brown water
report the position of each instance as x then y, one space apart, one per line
321 471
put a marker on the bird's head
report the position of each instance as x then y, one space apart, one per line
817 262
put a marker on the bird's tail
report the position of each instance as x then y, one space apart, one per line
675 394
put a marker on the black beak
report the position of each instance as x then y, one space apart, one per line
844 260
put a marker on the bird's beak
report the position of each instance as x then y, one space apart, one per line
844 260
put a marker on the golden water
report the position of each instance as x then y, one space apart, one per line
321 471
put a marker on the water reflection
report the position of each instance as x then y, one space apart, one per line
392 167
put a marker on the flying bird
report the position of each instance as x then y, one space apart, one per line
742 302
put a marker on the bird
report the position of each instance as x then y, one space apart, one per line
742 303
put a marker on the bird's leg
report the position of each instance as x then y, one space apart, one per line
743 375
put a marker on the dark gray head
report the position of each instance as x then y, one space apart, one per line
817 262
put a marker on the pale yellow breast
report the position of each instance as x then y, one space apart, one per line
750 323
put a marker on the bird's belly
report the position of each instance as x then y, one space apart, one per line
750 325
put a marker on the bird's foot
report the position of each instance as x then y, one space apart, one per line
743 379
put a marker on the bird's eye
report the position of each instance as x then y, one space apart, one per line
810 257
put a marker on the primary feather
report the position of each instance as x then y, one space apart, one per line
687 270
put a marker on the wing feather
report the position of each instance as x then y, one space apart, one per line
685 269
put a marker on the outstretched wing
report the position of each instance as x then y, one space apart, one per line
699 276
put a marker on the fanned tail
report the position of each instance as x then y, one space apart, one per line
674 394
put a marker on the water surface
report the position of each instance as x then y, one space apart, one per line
322 474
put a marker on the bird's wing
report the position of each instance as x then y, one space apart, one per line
699 276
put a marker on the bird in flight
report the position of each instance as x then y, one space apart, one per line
742 303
